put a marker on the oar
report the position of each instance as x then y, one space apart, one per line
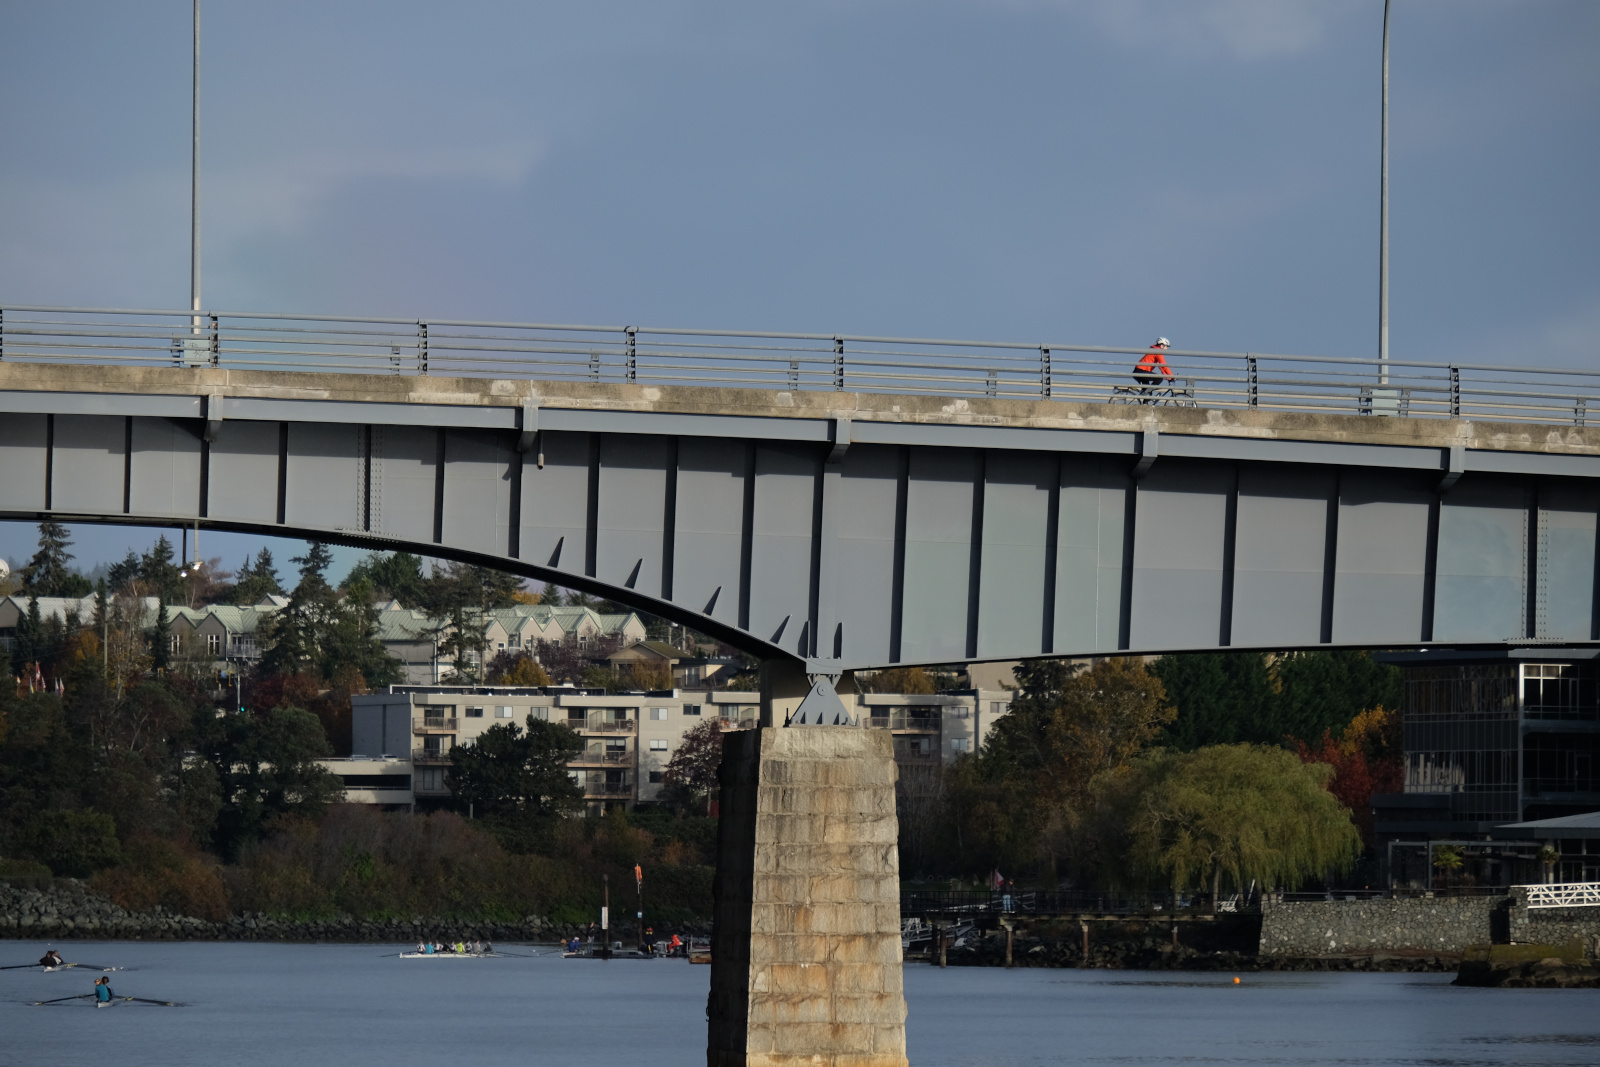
58 1000
93 967
20 966
146 1000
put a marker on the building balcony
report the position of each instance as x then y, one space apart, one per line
602 759
434 724
608 790
905 724
596 726
431 759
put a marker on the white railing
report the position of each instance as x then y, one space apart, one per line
1564 895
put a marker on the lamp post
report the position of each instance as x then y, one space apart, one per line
1383 215
194 181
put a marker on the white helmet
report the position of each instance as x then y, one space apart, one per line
1162 342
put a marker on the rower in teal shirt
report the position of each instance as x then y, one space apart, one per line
102 992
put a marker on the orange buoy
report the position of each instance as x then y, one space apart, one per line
1236 980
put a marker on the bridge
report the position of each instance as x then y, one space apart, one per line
839 502
833 503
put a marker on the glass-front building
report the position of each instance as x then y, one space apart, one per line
1493 738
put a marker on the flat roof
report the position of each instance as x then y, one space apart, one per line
1586 825
1424 657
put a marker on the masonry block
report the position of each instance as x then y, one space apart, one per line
806 956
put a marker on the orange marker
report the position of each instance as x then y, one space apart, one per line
1236 980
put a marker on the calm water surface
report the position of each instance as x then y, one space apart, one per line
316 1005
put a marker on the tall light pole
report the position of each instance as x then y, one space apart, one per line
194 181
1383 214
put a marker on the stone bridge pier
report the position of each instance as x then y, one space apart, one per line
806 956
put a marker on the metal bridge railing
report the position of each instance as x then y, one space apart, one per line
788 361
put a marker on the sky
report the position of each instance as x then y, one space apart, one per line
1077 171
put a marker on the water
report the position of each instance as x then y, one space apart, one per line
316 1005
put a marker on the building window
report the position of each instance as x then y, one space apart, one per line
502 712
214 644
960 713
655 777
430 779
474 713
691 709
999 707
515 640
172 642
961 744
658 714
542 714
658 744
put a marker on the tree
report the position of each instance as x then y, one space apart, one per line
1320 691
516 668
1019 804
393 575
690 776
160 573
516 779
1250 813
317 632
1366 758
265 768
257 580
49 573
161 638
1222 698
901 680
1448 860
126 570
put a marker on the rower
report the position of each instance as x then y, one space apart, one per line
51 959
102 992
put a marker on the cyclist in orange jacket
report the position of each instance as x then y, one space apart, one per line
1152 370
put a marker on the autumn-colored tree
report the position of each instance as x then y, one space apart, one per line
691 774
901 680
516 668
1366 759
1019 804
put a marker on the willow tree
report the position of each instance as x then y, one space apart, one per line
1251 813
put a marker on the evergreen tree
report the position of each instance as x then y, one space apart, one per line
1222 698
119 574
319 633
161 636
257 580
396 575
48 573
26 642
160 573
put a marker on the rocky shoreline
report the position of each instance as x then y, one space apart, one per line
69 910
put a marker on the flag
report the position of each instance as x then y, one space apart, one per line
997 880
638 875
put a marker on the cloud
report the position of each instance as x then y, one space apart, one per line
1245 29
246 199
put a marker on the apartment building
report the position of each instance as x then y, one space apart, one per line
628 738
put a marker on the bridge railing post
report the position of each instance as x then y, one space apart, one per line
1254 381
838 363
1455 391
216 344
633 355
1044 373
422 348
